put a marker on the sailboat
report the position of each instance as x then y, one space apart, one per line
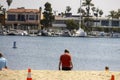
80 32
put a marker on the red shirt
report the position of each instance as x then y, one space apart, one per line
65 60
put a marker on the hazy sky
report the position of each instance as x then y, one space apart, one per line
60 5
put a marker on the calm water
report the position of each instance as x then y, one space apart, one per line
43 52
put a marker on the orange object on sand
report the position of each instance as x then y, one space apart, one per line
112 77
29 75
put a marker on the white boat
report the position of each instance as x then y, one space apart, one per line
80 33
115 35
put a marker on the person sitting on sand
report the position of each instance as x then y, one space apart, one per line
65 61
106 68
2 62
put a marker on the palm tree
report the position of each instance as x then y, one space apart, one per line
97 11
100 13
118 13
82 11
1 7
9 3
68 9
88 4
93 10
112 14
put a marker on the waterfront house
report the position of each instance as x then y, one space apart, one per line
23 19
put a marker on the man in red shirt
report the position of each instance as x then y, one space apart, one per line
65 61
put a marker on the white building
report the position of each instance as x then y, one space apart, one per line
97 22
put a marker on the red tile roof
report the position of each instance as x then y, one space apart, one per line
22 10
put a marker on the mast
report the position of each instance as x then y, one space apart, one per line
80 19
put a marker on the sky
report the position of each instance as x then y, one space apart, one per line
60 5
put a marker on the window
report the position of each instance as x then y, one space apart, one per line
115 23
31 17
21 17
36 17
11 17
104 23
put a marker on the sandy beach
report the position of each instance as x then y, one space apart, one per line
58 75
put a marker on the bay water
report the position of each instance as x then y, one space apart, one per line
42 53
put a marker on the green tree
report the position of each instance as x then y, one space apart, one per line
48 16
86 23
68 9
9 3
71 25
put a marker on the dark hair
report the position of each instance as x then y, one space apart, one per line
1 55
106 68
66 51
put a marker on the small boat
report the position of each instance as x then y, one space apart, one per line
115 35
